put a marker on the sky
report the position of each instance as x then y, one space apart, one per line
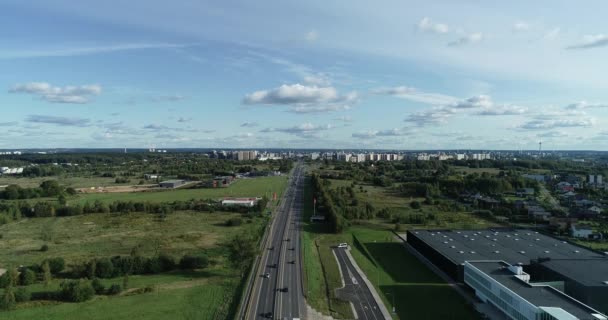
440 74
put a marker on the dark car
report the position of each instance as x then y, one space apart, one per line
268 315
284 289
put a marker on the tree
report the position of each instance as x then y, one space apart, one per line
62 200
76 290
56 264
104 268
27 277
241 252
51 188
23 295
8 301
194 261
98 286
46 273
415 204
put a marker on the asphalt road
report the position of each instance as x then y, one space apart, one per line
281 293
355 290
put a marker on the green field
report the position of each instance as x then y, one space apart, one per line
198 302
392 270
255 187
74 182
381 197
179 294
82 237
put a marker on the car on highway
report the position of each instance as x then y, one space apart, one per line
343 245
284 289
267 275
268 315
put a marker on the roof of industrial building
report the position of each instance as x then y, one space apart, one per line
515 246
174 181
538 295
589 272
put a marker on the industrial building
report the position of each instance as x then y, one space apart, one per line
508 288
172 184
581 273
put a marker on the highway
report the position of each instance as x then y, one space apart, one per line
279 296
355 290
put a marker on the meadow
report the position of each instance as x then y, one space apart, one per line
254 187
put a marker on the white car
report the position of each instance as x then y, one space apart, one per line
343 245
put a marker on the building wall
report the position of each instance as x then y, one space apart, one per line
446 265
490 291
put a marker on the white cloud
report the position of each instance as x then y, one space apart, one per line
396 132
311 36
521 26
585 105
306 130
81 51
414 94
426 25
552 34
317 79
467 39
59 121
68 94
591 41
555 124
303 98
481 101
344 119
432 116
503 110
249 124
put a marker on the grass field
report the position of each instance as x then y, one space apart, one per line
74 182
205 294
198 302
468 170
394 272
82 237
256 187
381 197
601 246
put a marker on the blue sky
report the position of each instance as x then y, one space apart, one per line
316 74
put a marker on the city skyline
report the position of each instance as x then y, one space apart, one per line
434 75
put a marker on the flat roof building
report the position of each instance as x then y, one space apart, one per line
508 288
172 184
582 271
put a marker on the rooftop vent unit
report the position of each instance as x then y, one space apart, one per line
445 242
516 239
576 251
546 251
537 239
460 251
496 251
522 252
473 252
453 247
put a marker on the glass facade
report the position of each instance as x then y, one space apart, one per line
504 301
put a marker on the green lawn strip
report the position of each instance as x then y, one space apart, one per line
200 302
393 271
255 187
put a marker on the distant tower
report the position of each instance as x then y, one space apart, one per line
540 147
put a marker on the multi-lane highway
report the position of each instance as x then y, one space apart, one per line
277 289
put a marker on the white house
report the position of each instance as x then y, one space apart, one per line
580 231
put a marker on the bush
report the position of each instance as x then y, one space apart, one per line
167 263
104 268
56 264
114 289
76 290
23 295
194 261
44 248
7 300
153 265
98 286
233 222
27 277
415 204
